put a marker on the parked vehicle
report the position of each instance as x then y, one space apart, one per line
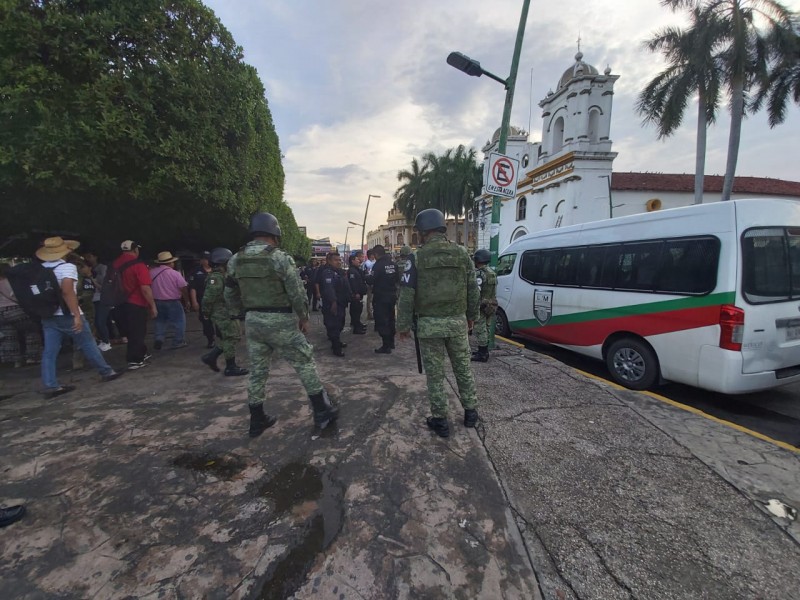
706 295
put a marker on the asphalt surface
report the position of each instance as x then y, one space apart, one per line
148 487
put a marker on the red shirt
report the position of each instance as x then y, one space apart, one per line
133 278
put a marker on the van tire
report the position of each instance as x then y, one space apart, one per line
632 363
501 327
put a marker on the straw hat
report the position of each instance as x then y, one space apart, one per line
72 244
53 248
165 258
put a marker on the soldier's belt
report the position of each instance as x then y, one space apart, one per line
271 309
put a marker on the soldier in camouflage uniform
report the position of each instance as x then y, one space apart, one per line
439 286
263 283
226 325
487 283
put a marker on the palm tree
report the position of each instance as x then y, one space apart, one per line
783 79
691 68
408 197
743 54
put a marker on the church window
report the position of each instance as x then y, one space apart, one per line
522 208
518 233
399 239
387 243
525 160
558 135
594 126
560 202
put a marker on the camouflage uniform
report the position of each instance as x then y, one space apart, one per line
439 286
214 307
487 283
263 282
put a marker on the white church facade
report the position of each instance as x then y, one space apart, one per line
568 177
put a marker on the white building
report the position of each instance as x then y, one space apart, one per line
567 178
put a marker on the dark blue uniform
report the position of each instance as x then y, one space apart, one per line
358 291
335 294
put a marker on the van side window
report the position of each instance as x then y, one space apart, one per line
770 269
505 264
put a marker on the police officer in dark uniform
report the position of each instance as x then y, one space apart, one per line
197 286
358 291
335 293
384 278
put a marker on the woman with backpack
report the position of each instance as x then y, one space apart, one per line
20 337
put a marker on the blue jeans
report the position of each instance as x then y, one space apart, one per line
55 330
101 314
170 313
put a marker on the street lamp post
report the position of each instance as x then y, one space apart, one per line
349 227
362 232
364 226
473 68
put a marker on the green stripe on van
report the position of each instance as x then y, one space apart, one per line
628 311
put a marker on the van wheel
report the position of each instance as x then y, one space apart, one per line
632 363
501 324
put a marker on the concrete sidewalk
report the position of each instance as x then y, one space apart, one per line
148 486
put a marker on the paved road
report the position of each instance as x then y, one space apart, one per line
774 413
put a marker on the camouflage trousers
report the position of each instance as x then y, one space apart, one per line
433 355
481 330
277 333
229 332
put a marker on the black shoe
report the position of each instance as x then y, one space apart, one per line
439 425
158 344
470 417
324 412
210 343
336 348
344 344
11 514
211 359
53 392
359 331
259 421
111 376
482 355
383 350
232 369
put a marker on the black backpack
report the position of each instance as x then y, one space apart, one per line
36 289
112 292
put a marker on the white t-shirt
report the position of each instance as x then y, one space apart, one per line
63 270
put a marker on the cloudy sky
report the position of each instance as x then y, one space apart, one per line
358 88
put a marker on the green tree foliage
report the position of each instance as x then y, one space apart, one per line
782 83
133 119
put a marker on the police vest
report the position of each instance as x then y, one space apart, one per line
442 269
260 284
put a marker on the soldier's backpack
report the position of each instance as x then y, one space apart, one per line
112 291
36 289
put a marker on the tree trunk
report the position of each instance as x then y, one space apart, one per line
737 113
700 158
466 230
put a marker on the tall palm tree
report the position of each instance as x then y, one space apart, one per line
691 68
408 197
743 54
783 79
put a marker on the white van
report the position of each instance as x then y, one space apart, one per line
706 295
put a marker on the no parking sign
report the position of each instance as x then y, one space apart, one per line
502 179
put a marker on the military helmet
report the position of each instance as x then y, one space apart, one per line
405 250
220 256
430 219
264 223
482 256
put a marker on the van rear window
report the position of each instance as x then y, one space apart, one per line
771 264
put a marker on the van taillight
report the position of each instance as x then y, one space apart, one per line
731 323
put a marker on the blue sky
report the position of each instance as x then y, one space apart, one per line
358 88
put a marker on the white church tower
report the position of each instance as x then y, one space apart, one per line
565 178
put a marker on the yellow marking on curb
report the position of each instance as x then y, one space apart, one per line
697 411
508 341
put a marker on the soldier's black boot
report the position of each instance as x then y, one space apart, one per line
386 347
210 358
482 355
391 341
324 412
232 369
439 425
470 417
259 421
336 348
359 329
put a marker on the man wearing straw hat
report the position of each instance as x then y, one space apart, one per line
66 324
171 296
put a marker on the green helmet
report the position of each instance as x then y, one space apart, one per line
482 256
264 223
430 219
405 250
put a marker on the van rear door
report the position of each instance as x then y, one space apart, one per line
770 288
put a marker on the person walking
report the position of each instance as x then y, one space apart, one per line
139 303
226 324
358 290
487 284
335 293
102 313
20 340
368 264
197 286
172 297
263 283
439 287
384 279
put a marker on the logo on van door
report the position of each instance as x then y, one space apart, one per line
543 305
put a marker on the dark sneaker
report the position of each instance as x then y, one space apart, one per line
177 346
11 514
470 417
53 392
439 425
158 344
136 365
147 357
111 376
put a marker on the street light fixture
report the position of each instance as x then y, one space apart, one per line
345 236
473 68
364 225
